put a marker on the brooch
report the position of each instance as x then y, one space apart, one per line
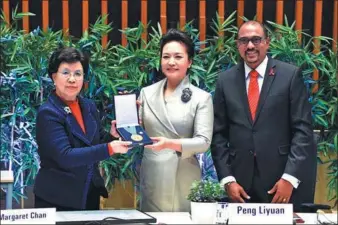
67 110
186 95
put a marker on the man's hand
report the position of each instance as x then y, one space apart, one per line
283 190
236 192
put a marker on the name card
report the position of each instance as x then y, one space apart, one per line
28 216
250 213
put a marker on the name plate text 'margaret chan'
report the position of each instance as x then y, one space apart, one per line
28 216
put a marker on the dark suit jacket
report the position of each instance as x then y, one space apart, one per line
69 158
281 135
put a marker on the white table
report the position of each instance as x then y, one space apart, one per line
182 217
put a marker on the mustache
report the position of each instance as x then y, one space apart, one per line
251 50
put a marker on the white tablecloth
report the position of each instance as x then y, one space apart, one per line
181 217
184 218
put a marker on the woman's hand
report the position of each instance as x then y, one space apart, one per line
159 143
120 146
139 104
113 130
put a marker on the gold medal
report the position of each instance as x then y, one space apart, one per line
136 137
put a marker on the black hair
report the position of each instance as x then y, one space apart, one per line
67 55
253 22
179 36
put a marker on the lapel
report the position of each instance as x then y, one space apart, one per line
157 106
268 79
242 91
70 119
88 119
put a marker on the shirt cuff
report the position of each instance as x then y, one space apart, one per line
227 179
110 150
294 181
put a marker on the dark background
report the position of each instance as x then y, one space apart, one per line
192 11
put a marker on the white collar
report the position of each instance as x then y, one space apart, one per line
261 68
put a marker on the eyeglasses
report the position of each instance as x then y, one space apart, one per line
78 75
256 40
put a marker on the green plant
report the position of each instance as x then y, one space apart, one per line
285 46
327 109
206 191
25 84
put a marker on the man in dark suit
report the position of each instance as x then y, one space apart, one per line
262 144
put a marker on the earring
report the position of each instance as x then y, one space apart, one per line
186 95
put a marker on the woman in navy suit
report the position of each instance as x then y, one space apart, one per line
70 140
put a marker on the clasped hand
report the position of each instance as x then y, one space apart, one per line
282 190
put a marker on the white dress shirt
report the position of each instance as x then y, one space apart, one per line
261 71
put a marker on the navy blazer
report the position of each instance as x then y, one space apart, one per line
69 157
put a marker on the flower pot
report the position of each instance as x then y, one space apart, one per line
203 212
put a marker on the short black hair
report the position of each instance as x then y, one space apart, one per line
179 36
254 22
67 55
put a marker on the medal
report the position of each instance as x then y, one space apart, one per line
136 137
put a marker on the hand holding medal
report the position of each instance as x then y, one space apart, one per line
113 130
127 124
159 143
120 146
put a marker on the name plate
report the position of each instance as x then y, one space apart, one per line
28 216
250 213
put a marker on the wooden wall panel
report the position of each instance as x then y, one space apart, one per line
144 17
5 6
299 17
279 11
240 12
124 20
163 16
182 13
104 12
299 11
221 13
25 19
259 11
202 21
85 15
317 32
45 15
65 16
334 26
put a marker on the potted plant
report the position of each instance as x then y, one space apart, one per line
204 195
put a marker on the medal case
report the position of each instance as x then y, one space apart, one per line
127 121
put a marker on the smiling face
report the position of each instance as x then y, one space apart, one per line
175 61
253 51
68 80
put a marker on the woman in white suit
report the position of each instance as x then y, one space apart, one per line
179 118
